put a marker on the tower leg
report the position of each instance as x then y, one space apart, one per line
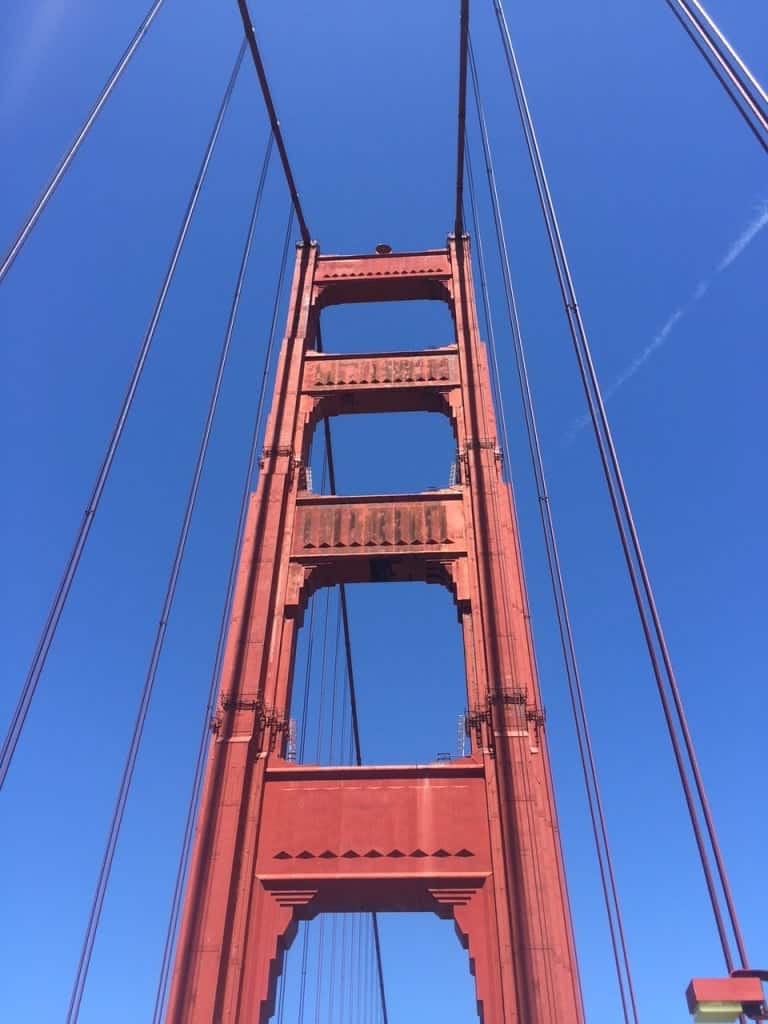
272 929
476 928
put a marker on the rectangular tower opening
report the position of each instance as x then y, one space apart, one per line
387 326
408 665
384 453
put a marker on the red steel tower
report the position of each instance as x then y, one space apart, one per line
474 839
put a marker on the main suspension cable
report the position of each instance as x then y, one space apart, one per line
202 748
70 154
157 647
573 675
65 585
462 117
638 574
250 36
741 86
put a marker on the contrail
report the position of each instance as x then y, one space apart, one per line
648 351
745 239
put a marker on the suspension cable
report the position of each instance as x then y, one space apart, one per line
630 543
320 972
42 201
354 717
323 680
573 675
65 585
332 979
307 925
515 764
741 86
146 694
250 35
462 120
723 41
189 826
332 732
352 692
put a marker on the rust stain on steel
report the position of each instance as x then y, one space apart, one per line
423 368
335 526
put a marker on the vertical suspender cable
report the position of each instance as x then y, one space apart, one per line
332 731
69 156
320 930
302 745
352 693
573 675
741 86
323 681
303 972
157 647
320 966
639 579
302 742
354 717
332 759
65 585
332 979
173 920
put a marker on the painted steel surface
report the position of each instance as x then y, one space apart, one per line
474 840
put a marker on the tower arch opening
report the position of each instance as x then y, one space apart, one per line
425 968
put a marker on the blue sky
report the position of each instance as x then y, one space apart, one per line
657 185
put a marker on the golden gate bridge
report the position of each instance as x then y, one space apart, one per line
227 933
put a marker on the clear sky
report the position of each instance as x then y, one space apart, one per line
662 197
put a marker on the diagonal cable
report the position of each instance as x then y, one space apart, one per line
47 193
173 921
573 675
650 620
65 584
157 648
741 86
712 29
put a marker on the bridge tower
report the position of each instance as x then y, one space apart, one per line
473 839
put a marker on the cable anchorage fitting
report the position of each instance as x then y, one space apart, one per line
230 703
507 695
517 696
271 722
275 451
476 443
